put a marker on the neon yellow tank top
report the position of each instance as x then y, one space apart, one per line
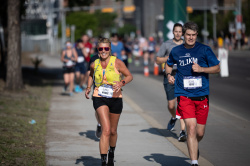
108 75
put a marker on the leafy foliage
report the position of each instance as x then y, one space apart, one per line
126 29
246 15
98 22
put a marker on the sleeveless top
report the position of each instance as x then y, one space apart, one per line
80 57
70 63
106 76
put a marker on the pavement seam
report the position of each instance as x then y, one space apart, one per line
168 135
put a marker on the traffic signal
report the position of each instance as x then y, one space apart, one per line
189 9
67 32
107 10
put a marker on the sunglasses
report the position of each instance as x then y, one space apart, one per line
105 48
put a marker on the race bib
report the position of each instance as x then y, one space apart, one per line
80 59
151 48
69 63
124 57
192 82
87 50
105 91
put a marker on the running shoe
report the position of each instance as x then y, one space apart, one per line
182 137
171 124
104 164
98 131
194 165
71 94
78 89
110 159
111 162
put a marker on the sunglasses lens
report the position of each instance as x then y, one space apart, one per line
105 48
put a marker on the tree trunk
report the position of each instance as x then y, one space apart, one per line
14 79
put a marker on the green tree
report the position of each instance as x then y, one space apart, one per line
98 22
126 29
246 15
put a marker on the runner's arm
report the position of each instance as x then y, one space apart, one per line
209 70
160 60
124 70
160 56
168 71
90 81
75 55
62 57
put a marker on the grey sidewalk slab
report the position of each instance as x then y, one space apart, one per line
71 137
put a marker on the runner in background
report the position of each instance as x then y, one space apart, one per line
161 58
69 58
117 48
151 49
136 52
143 44
88 47
80 68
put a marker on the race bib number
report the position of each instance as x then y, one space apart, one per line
105 91
192 82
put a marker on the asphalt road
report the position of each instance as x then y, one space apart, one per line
228 127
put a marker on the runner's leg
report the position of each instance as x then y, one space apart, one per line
103 114
192 141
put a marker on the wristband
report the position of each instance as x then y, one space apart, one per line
123 82
168 74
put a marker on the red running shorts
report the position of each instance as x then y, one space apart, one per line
188 108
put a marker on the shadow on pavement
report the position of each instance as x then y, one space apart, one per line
88 161
42 77
164 160
89 134
160 132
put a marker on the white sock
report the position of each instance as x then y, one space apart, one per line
194 162
99 124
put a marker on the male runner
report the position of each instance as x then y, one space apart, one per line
194 62
162 57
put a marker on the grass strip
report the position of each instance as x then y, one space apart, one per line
22 143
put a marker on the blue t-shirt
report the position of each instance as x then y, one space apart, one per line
184 58
117 49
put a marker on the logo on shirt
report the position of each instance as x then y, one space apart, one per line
111 64
205 106
188 61
187 55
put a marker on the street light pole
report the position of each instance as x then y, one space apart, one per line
214 26
63 24
205 21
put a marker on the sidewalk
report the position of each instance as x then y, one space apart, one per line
71 137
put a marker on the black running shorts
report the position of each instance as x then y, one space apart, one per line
115 104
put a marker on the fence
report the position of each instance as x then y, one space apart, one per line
40 43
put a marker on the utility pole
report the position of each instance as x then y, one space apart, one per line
63 24
238 21
205 22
